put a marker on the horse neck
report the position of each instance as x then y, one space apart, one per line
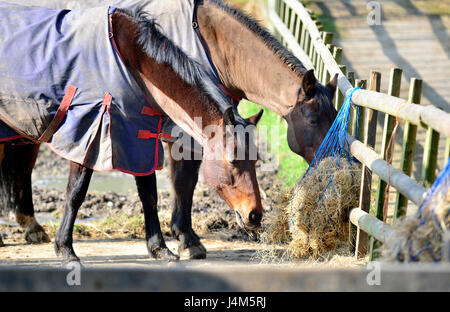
246 65
182 102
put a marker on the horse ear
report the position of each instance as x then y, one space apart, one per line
255 118
332 85
228 117
309 81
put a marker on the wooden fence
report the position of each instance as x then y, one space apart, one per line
301 32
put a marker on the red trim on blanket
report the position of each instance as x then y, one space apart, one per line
146 134
149 111
11 138
60 114
155 166
54 124
107 99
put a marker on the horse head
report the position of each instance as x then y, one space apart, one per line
229 167
312 116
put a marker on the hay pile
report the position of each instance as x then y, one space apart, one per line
420 237
318 210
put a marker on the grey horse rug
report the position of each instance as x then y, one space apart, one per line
62 82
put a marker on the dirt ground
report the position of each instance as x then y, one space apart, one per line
109 228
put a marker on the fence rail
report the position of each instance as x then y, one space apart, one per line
303 34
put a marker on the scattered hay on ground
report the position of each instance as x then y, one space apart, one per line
420 237
313 223
130 226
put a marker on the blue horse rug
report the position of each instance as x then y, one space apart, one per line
62 82
176 20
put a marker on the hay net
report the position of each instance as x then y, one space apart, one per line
312 218
334 146
422 236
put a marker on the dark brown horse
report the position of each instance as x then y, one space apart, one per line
137 38
253 65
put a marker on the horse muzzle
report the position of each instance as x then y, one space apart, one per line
253 222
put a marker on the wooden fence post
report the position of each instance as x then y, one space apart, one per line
429 160
337 55
327 38
389 122
326 74
339 95
298 28
311 49
352 230
293 23
352 127
316 55
287 15
366 175
303 39
362 111
408 146
277 7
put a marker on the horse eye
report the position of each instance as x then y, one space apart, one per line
314 121
311 117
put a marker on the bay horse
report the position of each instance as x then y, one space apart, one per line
153 60
240 50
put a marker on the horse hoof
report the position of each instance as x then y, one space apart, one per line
37 237
163 253
1 242
68 254
193 252
35 234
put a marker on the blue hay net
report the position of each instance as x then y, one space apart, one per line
335 145
435 196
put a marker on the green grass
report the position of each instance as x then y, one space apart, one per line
291 166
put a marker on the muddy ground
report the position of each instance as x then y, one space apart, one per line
118 215
210 212
110 225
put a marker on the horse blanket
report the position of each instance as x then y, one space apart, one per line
60 72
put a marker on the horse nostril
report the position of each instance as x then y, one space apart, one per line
255 217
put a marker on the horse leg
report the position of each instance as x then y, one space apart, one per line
16 190
184 175
79 178
146 186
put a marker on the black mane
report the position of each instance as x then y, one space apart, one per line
322 94
164 51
